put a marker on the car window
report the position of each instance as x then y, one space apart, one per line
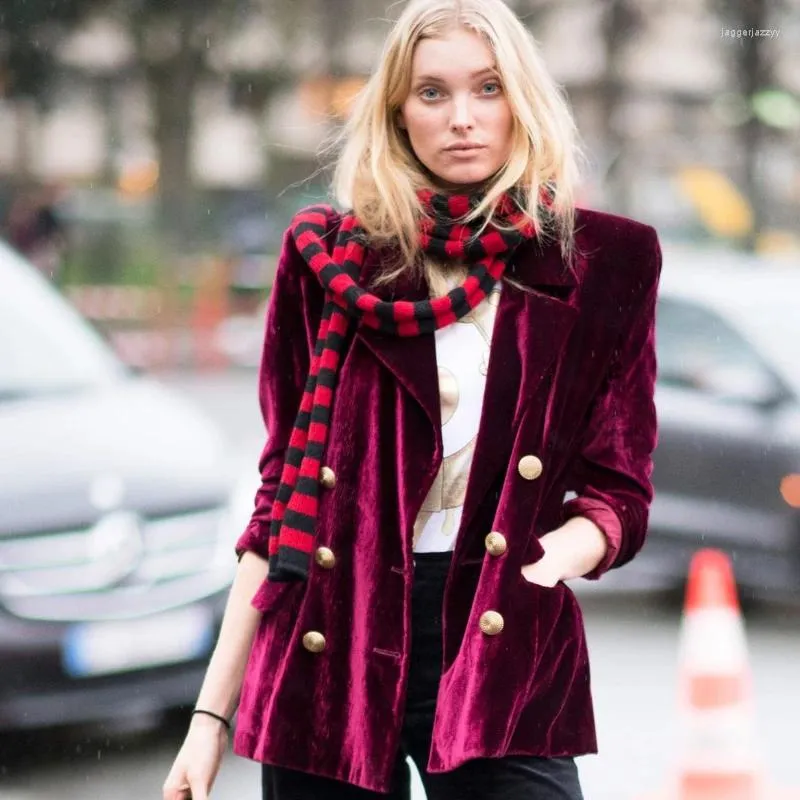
698 349
45 346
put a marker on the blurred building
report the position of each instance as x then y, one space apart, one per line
656 88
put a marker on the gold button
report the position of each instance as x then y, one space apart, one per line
314 642
327 477
491 623
325 557
530 467
496 543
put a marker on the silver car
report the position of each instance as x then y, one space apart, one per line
727 466
116 526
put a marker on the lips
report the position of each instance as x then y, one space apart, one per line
464 147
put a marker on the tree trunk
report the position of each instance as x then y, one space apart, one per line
618 25
173 84
621 22
753 74
336 16
172 106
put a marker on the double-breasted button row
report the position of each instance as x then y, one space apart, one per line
530 467
314 641
492 622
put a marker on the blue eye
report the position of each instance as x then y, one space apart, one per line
494 87
429 93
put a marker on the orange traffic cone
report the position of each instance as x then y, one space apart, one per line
719 759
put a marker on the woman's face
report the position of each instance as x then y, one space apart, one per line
457 116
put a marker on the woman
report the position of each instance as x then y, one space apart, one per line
441 366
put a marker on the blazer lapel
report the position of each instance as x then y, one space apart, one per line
530 329
411 359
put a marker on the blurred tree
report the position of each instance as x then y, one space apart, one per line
338 18
622 20
30 31
753 71
172 40
176 42
337 15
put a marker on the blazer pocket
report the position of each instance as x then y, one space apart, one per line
534 585
534 550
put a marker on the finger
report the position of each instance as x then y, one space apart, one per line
197 790
181 792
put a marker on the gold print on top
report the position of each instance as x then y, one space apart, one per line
449 487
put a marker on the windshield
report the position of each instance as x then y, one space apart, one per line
773 326
45 347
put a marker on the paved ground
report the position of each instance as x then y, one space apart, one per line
632 639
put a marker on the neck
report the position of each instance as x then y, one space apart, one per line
460 188
445 187
440 274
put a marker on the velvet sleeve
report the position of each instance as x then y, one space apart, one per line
292 320
612 474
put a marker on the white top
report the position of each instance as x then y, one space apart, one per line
462 355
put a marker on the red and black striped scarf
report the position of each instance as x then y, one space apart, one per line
443 235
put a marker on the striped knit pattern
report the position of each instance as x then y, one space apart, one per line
294 511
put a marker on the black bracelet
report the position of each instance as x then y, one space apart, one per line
213 715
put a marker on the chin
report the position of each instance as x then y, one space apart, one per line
462 178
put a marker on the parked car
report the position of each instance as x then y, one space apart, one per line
727 464
116 531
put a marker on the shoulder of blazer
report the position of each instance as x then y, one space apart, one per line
332 216
593 224
291 262
617 251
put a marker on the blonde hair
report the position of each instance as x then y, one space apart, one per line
377 173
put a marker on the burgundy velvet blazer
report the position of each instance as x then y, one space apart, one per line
571 381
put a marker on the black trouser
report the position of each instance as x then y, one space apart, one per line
507 778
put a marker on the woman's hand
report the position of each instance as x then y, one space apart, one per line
199 758
547 571
198 761
570 551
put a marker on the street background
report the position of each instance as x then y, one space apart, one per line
152 153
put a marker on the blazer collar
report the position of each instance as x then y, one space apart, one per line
539 265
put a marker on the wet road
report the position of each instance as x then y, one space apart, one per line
632 640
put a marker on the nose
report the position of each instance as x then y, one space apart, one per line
461 117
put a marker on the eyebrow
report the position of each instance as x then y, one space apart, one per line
439 79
